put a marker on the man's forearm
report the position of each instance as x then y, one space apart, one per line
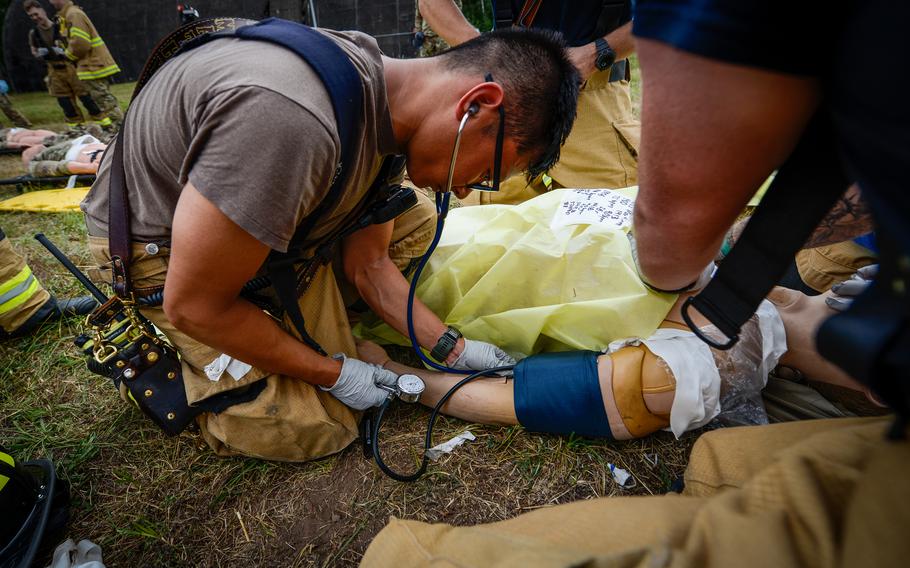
245 332
385 290
584 57
446 19
849 218
621 41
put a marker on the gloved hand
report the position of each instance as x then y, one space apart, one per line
58 50
845 292
356 385
4 87
42 52
479 355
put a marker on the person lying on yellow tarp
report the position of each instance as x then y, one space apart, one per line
556 274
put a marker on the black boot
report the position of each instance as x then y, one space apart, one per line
54 309
79 306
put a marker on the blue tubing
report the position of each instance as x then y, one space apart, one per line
442 209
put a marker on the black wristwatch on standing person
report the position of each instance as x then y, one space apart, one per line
606 57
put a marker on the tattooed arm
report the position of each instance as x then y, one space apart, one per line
849 218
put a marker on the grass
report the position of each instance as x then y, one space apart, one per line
149 500
42 110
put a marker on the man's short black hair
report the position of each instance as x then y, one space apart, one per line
540 83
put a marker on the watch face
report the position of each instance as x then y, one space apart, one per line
605 60
411 384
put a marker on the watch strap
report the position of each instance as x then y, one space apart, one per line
445 344
603 49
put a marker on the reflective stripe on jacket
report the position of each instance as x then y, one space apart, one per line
86 48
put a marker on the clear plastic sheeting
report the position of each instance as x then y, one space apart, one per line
744 368
540 276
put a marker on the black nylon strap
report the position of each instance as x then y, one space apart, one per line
804 190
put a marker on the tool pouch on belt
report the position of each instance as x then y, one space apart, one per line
121 344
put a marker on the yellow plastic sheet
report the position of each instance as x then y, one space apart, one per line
46 201
505 274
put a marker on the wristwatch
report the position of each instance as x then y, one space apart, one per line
605 54
445 344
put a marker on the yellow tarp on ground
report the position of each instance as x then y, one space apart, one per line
536 277
46 201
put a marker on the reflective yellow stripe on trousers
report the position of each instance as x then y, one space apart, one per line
17 290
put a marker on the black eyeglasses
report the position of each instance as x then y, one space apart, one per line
493 185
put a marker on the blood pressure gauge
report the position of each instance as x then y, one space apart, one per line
408 389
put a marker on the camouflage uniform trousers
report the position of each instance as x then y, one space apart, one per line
432 44
51 161
100 91
16 117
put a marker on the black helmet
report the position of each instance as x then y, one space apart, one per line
32 499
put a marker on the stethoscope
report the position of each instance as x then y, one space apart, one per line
409 387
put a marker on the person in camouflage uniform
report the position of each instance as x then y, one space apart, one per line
427 41
94 64
73 157
16 117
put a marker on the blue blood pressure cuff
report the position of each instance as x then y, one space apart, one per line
560 393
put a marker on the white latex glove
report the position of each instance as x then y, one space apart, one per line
845 292
42 52
478 355
58 50
356 385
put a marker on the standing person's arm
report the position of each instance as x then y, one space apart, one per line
447 20
79 42
711 134
585 56
32 44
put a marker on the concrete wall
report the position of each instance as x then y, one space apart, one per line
132 28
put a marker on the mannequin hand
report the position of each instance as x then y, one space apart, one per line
478 355
356 385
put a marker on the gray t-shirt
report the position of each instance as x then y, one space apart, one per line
251 126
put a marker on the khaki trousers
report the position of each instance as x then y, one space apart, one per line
601 151
814 493
822 267
290 420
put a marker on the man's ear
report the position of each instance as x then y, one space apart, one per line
483 97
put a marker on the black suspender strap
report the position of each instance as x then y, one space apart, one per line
803 191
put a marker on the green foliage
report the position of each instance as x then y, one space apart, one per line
479 13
